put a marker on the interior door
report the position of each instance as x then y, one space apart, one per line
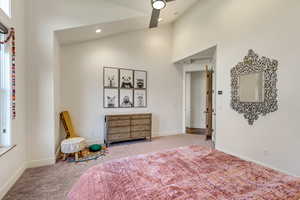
209 103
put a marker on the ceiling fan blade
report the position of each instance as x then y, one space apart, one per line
169 0
154 18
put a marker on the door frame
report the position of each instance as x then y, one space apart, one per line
196 67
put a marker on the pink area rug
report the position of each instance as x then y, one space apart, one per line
187 173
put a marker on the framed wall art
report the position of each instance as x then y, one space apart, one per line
111 98
140 98
126 98
126 78
110 77
140 79
124 88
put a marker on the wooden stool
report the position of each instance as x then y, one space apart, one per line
72 145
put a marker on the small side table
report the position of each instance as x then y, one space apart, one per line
72 145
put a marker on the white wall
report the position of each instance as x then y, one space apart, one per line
13 163
82 79
45 17
270 28
198 99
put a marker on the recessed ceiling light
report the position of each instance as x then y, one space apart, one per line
160 19
98 30
158 4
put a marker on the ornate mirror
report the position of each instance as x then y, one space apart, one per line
253 86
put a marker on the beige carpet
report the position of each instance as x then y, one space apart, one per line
54 182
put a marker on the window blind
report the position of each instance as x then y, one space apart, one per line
4 88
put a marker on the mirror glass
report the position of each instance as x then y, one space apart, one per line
251 87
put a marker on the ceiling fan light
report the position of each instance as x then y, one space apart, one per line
158 4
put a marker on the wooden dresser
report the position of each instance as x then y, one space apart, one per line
127 127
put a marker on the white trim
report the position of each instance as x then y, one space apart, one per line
42 162
6 187
199 66
166 133
185 70
57 153
257 162
154 134
8 12
6 20
5 95
4 150
94 141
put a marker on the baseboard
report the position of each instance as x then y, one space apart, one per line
258 162
95 141
154 134
6 187
57 153
165 133
51 161
40 163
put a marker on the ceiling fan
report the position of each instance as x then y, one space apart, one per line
157 6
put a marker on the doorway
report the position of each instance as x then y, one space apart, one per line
199 93
199 102
195 102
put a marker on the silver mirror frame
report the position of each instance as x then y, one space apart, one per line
252 63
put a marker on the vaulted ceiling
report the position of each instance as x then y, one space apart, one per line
171 12
143 7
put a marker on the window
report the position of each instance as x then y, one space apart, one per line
5 90
5 5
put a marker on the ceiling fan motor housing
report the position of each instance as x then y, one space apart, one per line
159 4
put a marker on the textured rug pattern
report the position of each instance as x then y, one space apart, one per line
186 173
55 181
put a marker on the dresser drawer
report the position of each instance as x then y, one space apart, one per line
127 127
118 123
141 128
118 117
140 122
119 137
140 134
142 116
116 130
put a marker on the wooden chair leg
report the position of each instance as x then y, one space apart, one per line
64 156
76 156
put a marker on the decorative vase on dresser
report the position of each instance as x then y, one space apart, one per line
125 127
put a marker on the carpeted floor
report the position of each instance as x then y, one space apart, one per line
54 182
